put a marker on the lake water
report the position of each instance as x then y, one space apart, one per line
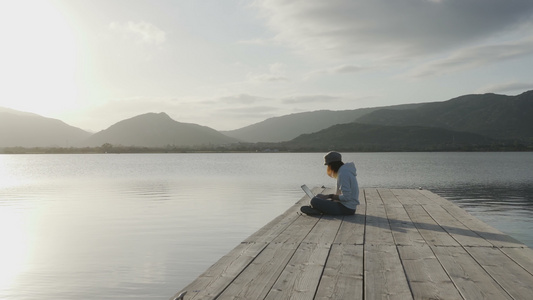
142 226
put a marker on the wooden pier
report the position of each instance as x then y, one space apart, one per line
400 244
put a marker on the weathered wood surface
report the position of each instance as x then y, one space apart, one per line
400 244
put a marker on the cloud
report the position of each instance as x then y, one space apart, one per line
241 99
338 70
143 32
237 117
256 41
508 87
249 110
238 110
473 57
383 29
306 99
267 78
276 73
347 69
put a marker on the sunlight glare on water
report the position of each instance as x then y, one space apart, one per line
15 245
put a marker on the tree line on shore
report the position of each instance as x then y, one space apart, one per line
269 148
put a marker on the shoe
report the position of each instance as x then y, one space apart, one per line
308 210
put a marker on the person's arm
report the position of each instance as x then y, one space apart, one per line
345 187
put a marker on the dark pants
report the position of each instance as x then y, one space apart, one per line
329 207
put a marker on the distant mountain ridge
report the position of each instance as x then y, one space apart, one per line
157 130
17 112
471 122
470 119
492 115
288 127
30 130
369 137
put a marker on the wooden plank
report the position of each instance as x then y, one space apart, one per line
378 230
512 277
384 274
404 197
435 207
492 235
372 197
388 198
298 230
403 229
326 228
216 278
343 273
489 233
428 228
362 197
522 256
302 274
468 276
271 230
462 234
352 230
325 231
427 278
258 278
420 197
436 199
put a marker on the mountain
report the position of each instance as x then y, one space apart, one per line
16 112
157 130
492 115
21 129
367 137
288 127
478 119
496 116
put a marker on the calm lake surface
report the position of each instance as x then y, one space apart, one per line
142 226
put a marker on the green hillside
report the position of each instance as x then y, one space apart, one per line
366 137
495 116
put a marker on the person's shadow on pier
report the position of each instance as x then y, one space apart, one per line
361 219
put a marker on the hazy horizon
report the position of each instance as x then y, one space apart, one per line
230 64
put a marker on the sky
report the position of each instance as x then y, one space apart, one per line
227 64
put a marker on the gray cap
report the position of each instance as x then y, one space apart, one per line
332 156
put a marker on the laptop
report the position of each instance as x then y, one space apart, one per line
308 191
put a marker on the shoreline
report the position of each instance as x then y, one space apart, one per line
161 150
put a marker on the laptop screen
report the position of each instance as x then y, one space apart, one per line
308 191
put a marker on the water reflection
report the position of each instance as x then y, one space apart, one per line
15 235
136 236
491 197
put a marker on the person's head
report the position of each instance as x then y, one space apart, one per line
334 162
